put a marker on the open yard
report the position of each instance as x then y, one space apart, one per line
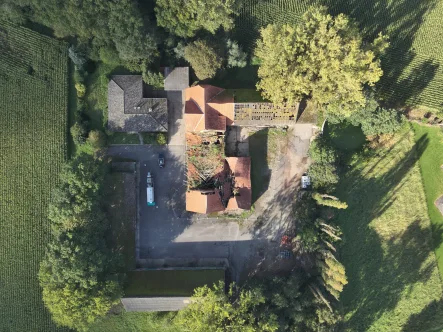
413 71
431 161
33 108
394 283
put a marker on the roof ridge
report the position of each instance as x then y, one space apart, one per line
207 102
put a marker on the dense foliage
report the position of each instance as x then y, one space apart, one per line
323 57
185 17
203 58
328 200
77 273
236 56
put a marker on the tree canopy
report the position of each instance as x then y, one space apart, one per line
203 59
323 57
185 17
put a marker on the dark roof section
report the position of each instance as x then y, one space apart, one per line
176 79
129 110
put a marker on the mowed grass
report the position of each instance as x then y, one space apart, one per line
394 283
430 164
413 65
33 131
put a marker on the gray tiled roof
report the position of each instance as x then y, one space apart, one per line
128 110
176 79
154 303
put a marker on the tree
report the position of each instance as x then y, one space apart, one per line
77 56
156 80
203 59
321 151
236 56
323 57
211 309
328 200
79 132
96 139
332 273
185 17
323 175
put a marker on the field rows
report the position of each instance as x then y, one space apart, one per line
413 63
33 107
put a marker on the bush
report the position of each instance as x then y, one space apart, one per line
77 56
321 151
382 121
323 175
79 132
156 80
96 139
331 201
81 89
161 139
79 76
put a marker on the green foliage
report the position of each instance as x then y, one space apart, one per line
335 76
161 139
328 200
81 89
33 147
77 56
332 273
77 271
321 151
203 59
236 56
79 132
323 175
211 309
185 18
156 80
109 55
96 139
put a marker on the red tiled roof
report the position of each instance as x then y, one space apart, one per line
241 169
215 105
203 202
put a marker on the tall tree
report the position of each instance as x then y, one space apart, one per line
323 57
203 59
185 17
211 309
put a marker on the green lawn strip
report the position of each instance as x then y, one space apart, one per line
387 249
123 138
430 163
246 95
180 282
135 322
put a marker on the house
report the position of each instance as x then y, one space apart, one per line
133 107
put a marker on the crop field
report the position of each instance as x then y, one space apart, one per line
394 282
33 130
413 65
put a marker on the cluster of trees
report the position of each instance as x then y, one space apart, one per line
323 57
78 273
323 170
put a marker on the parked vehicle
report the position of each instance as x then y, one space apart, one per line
305 181
161 160
150 190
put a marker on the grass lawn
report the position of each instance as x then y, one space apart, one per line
123 138
345 136
136 322
430 164
394 282
246 95
170 282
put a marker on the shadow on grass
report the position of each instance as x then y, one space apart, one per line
429 319
381 271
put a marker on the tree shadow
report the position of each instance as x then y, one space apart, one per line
382 266
429 319
260 172
400 20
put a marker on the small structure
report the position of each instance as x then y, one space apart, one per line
129 110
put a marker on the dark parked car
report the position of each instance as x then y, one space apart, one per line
161 160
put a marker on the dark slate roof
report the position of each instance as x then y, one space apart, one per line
129 110
154 303
176 79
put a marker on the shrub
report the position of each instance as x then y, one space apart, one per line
323 175
321 151
331 201
96 139
77 56
161 139
109 55
79 132
81 89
